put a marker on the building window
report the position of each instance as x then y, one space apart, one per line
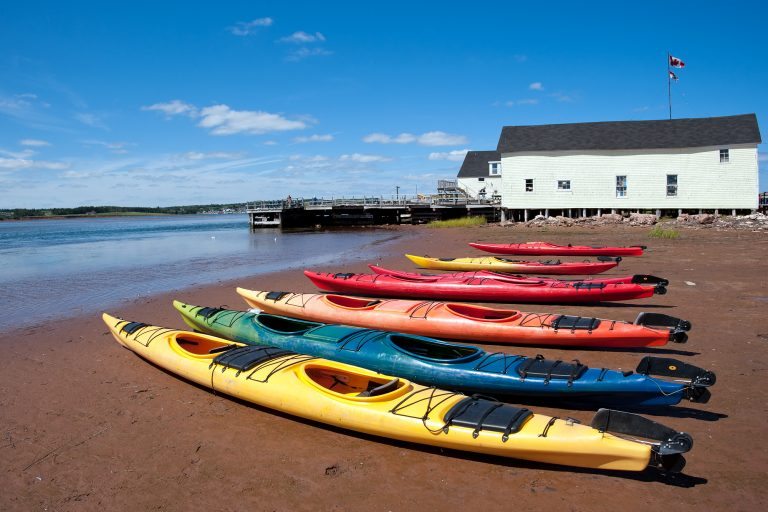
671 185
563 184
725 156
480 179
621 186
529 185
494 168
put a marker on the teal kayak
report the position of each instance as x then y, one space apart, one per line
459 367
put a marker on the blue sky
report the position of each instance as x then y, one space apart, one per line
169 103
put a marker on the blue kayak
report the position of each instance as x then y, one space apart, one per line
460 367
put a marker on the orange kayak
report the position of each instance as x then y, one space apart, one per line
450 320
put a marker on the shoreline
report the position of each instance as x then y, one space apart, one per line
88 425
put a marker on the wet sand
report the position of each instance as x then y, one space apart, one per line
87 425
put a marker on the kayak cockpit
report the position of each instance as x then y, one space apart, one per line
195 345
434 350
351 302
283 325
349 385
482 313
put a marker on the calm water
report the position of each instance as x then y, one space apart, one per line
57 268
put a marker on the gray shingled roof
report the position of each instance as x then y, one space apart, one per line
476 163
675 133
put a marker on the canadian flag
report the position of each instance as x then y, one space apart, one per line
675 62
673 76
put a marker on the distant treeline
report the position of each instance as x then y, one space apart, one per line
22 213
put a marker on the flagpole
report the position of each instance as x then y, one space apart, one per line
669 87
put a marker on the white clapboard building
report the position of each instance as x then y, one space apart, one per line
480 174
664 167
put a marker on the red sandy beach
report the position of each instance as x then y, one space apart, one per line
87 425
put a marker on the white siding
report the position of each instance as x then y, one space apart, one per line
472 186
702 181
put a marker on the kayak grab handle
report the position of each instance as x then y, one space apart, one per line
649 279
608 258
669 444
660 320
663 367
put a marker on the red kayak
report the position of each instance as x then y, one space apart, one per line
521 279
548 249
479 289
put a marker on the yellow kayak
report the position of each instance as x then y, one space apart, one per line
365 401
496 264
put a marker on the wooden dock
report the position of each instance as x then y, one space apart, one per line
367 211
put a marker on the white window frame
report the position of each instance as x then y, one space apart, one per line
563 189
498 168
675 185
621 192
526 184
725 155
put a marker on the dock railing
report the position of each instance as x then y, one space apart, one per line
399 201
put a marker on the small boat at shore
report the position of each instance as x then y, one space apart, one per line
658 282
460 321
548 249
515 266
459 367
365 401
479 289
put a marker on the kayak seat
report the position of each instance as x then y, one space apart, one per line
550 262
484 414
244 358
575 323
132 327
376 389
549 369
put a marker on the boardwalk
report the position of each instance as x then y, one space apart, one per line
303 212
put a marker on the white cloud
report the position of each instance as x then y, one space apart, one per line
525 101
314 138
304 52
91 120
23 163
303 38
245 28
34 142
197 155
452 156
435 138
382 138
174 108
222 120
562 97
17 154
270 143
536 86
115 147
441 139
363 159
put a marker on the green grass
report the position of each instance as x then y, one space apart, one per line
463 222
660 232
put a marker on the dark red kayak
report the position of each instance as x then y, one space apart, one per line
523 279
548 249
480 289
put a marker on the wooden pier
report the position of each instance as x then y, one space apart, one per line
367 211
